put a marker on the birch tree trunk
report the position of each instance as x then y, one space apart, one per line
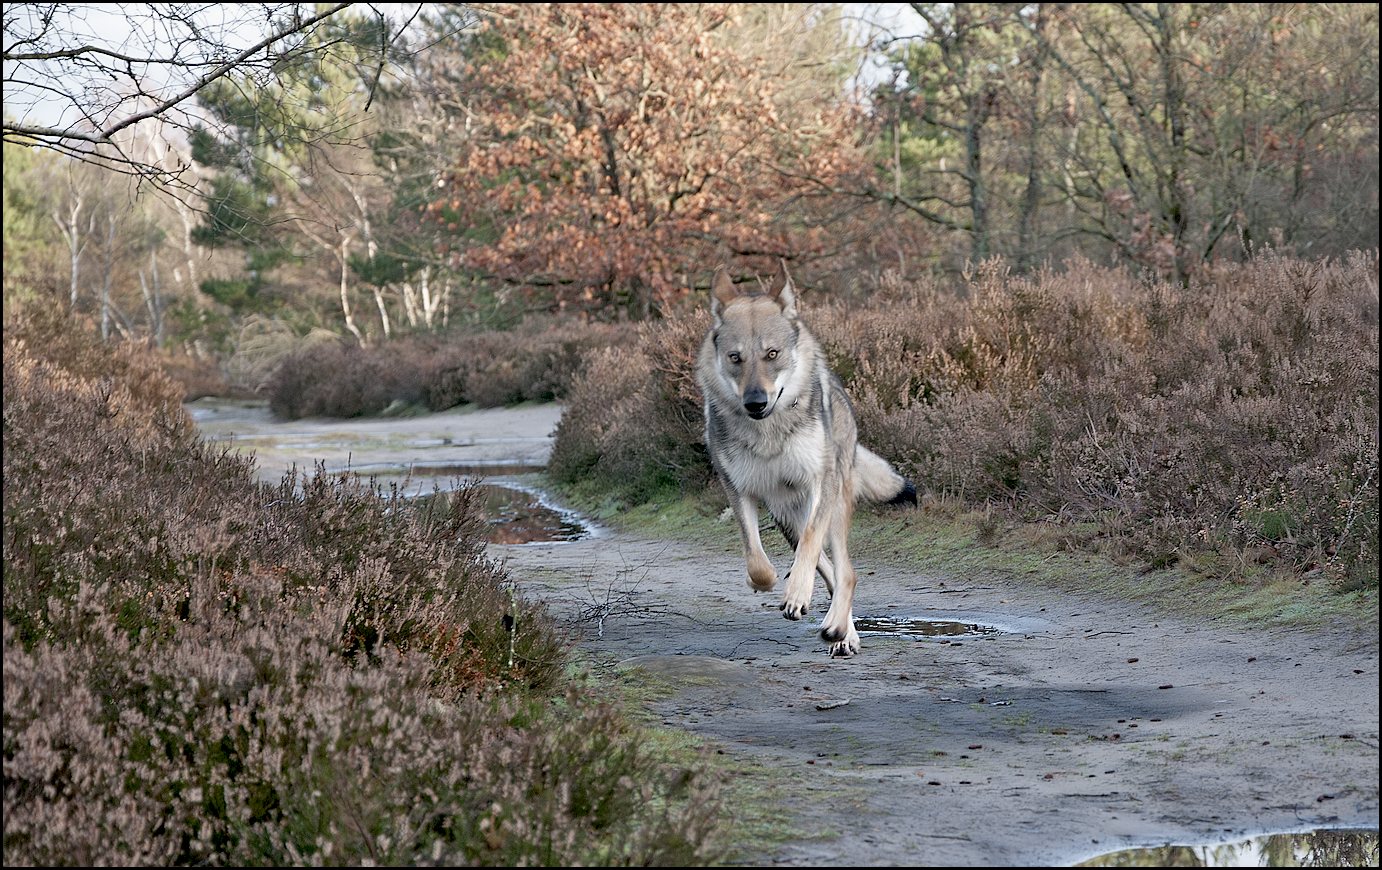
152 301
345 294
410 303
71 234
110 268
429 304
383 312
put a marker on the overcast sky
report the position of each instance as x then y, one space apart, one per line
50 94
51 97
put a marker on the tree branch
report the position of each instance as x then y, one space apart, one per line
225 68
51 137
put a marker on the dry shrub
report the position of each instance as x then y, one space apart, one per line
536 362
339 379
199 668
48 334
633 426
200 375
1239 411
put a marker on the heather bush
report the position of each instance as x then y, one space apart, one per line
536 362
339 379
1239 411
633 426
125 376
199 668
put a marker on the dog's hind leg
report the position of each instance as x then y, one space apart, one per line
823 568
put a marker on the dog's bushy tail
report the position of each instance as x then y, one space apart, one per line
876 481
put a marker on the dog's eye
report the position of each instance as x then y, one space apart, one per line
772 354
734 358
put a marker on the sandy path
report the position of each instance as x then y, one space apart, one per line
1041 745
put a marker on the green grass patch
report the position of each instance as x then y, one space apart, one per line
1210 585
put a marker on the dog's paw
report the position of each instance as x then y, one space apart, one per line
844 649
795 608
842 645
762 577
763 582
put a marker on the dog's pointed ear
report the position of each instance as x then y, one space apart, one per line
782 290
723 287
722 292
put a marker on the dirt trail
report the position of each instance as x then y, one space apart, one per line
1088 726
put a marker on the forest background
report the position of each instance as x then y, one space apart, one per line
493 164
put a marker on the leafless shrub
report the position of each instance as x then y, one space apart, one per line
344 380
200 376
633 425
609 597
534 363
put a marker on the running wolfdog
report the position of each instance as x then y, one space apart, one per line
780 428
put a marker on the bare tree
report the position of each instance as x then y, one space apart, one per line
69 214
1207 117
104 68
1153 133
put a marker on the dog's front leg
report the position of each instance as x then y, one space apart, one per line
801 581
762 574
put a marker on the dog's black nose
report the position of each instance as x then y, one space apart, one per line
755 402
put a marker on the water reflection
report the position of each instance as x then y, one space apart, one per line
519 517
920 628
1311 849
517 511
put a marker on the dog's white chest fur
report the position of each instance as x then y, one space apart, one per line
775 469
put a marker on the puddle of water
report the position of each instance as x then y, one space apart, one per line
420 479
520 517
475 469
518 514
901 626
1310 849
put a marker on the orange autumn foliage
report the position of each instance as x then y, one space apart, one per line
614 152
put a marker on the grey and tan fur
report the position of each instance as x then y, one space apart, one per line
780 429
